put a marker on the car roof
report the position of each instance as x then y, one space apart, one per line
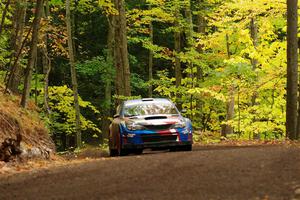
146 100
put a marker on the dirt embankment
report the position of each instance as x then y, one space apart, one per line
23 129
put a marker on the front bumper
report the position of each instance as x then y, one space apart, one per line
165 144
141 139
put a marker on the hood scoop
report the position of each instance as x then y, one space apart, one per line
155 117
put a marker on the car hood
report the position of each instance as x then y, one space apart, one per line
155 119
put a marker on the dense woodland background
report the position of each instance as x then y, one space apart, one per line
224 61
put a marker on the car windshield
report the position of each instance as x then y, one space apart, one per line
147 108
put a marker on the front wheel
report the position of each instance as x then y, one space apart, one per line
138 151
120 150
113 152
188 147
117 152
115 146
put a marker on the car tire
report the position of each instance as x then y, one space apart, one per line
187 147
113 152
138 151
120 150
173 149
123 152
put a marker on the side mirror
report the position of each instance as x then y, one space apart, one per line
183 111
116 115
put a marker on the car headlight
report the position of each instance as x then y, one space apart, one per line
180 124
133 126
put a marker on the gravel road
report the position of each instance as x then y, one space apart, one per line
271 172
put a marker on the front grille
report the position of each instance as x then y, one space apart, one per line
158 138
158 127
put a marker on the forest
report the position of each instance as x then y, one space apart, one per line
231 64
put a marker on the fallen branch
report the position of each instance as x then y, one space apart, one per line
10 148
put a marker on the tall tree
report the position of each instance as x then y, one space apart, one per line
190 45
73 74
17 41
227 129
32 53
122 81
46 60
254 62
108 79
292 69
150 67
201 25
177 49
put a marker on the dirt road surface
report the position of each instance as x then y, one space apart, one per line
271 172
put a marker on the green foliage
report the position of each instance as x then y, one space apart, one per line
207 137
108 7
124 98
2 76
217 62
265 82
95 73
56 2
3 52
258 91
137 83
97 66
62 119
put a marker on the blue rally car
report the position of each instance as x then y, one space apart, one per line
153 123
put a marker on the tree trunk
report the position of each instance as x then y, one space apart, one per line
121 52
189 24
298 116
253 30
150 91
47 71
4 15
16 70
189 37
16 61
108 82
201 29
199 76
46 62
254 62
292 69
178 74
227 129
229 113
106 110
75 32
177 48
73 74
32 53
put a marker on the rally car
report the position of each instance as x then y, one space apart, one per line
153 123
